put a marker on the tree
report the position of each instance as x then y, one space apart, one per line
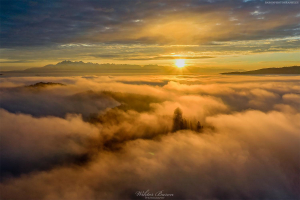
177 120
199 127
180 123
184 124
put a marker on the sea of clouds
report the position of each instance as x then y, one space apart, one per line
107 137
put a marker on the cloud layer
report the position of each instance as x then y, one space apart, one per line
248 148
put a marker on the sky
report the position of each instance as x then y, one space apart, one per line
248 34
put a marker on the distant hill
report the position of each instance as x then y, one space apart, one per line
282 70
45 84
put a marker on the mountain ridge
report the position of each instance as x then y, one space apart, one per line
279 70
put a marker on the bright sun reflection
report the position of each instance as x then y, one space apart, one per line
180 63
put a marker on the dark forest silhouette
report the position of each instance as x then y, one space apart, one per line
180 123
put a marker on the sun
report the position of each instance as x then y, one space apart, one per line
180 63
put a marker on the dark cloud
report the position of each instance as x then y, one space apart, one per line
15 61
31 23
138 57
170 58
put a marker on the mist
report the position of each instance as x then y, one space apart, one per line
108 137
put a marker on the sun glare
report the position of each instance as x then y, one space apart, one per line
180 63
